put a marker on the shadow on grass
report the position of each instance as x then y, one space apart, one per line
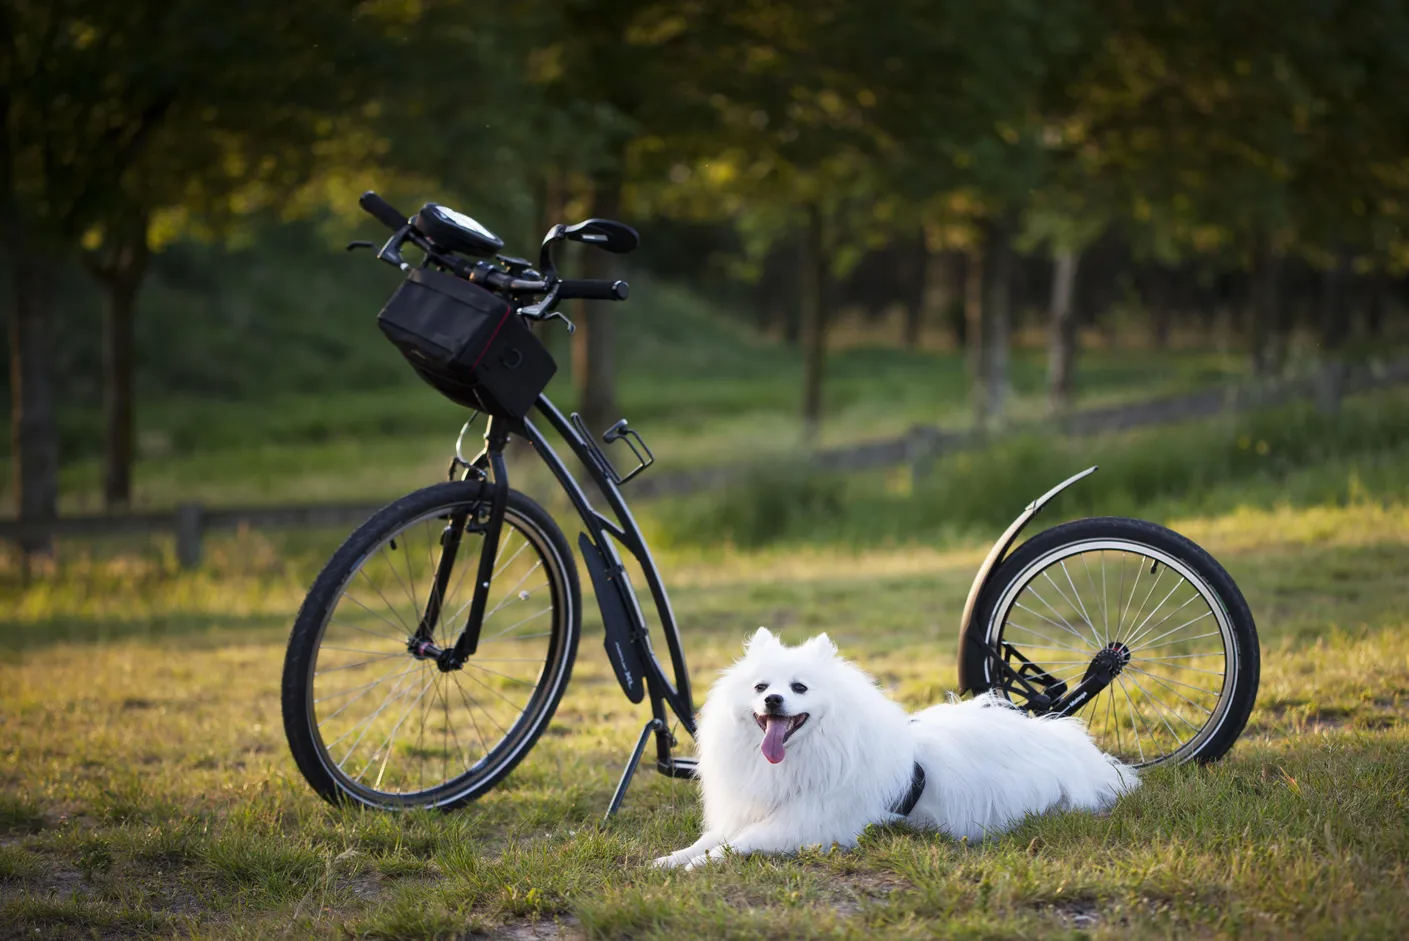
194 630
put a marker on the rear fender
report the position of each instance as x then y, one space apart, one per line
996 556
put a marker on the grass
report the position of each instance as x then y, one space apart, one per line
1291 453
146 790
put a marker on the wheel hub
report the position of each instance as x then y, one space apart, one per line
1110 660
444 657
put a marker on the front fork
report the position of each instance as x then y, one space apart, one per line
422 645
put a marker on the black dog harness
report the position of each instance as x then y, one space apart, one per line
912 797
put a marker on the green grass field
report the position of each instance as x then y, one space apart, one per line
146 789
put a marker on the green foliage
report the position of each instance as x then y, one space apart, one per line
1194 468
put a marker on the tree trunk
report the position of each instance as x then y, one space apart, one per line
120 276
1335 321
593 347
1334 314
812 270
34 435
1375 301
1062 334
997 314
914 282
949 280
975 335
1262 307
1160 301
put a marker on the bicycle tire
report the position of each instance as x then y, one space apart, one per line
430 506
1237 632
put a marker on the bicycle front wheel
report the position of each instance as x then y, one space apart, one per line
370 722
1143 598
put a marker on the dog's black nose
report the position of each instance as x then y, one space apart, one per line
772 700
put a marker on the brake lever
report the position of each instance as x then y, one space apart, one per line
572 327
359 244
536 311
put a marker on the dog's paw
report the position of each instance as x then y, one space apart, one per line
697 863
672 861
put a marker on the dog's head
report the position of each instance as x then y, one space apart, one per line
784 691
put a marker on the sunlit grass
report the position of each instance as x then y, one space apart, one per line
145 786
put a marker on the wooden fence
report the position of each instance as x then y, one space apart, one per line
191 521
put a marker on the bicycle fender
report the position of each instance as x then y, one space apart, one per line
621 630
996 555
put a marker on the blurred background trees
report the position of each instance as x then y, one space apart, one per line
991 174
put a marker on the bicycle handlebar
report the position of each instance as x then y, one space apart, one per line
593 289
381 210
496 279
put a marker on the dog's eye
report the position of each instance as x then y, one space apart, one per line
799 688
760 687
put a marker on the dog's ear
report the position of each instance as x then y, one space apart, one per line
822 645
761 638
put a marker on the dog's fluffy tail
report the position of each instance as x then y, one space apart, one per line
1054 758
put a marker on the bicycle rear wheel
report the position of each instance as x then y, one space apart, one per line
368 720
1136 595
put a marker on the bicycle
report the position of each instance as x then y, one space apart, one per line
448 704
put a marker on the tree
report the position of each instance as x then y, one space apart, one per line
118 113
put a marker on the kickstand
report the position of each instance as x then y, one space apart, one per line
653 726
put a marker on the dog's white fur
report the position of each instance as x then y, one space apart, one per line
987 765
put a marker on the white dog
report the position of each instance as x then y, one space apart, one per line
799 748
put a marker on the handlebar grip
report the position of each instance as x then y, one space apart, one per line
594 290
381 210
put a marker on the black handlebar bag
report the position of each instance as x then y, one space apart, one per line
467 342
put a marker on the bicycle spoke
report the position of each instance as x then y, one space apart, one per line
365 725
1176 643
1217 673
1077 595
390 607
1182 656
352 649
1135 639
1167 680
471 663
391 736
360 663
1105 621
1068 629
399 628
1166 707
1136 632
511 593
520 623
1134 714
1059 591
467 700
1029 630
489 715
1206 614
517 708
1159 710
365 689
1146 600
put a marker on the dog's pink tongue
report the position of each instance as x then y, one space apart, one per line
773 736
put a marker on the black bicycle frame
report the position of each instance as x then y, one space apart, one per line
616 597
